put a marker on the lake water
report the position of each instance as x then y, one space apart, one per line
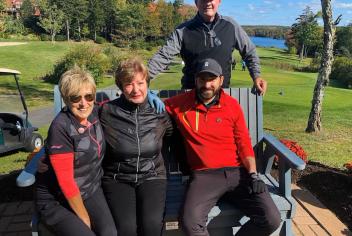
269 42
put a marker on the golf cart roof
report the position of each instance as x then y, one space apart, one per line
5 71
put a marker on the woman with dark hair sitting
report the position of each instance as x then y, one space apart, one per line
134 180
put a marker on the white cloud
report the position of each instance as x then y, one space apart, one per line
315 5
251 7
343 5
268 2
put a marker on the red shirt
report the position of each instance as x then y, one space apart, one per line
214 138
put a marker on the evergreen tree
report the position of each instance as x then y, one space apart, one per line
306 31
344 40
2 5
95 16
51 20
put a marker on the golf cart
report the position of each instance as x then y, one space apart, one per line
16 132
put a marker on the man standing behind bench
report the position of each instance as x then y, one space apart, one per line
220 155
208 35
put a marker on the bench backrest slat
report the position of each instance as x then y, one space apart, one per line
251 105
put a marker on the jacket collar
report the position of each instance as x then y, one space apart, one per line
130 106
199 19
200 106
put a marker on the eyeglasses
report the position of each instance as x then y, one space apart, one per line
88 97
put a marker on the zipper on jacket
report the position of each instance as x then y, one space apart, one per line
138 144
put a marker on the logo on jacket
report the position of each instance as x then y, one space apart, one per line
218 120
56 147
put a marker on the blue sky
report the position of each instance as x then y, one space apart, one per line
278 12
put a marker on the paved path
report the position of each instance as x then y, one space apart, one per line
312 217
41 116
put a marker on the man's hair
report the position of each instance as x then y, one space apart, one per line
127 70
72 81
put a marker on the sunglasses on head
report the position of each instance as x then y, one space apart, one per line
77 98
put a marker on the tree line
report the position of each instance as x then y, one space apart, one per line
276 32
122 22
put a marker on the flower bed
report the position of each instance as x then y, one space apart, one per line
294 147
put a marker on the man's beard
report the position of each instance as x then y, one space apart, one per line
207 94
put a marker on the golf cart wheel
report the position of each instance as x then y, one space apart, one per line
36 141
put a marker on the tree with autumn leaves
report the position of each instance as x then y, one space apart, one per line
123 22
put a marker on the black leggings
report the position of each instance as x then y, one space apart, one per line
137 208
62 221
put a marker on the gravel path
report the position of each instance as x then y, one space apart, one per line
3 44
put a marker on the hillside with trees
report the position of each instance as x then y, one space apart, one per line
126 23
276 32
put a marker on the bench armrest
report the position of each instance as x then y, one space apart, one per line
27 176
284 152
287 161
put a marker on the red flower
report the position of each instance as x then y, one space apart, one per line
294 147
348 166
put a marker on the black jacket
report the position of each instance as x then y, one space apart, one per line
195 40
134 137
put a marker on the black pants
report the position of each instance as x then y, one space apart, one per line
136 209
62 221
205 189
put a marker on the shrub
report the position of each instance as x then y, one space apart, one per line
292 50
115 56
45 37
100 40
348 166
60 38
342 71
294 147
279 65
87 56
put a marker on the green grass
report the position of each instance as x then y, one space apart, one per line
285 115
34 60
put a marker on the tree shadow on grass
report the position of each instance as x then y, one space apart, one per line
29 91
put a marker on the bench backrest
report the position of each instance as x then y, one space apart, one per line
252 106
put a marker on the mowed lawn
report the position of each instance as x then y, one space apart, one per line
286 105
34 60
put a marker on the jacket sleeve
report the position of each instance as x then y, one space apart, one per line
168 124
166 54
246 48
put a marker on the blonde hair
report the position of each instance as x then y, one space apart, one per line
73 80
128 68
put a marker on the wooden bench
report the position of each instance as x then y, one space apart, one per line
224 218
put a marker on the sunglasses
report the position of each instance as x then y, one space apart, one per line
88 97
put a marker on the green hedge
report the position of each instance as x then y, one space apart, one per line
88 56
342 71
